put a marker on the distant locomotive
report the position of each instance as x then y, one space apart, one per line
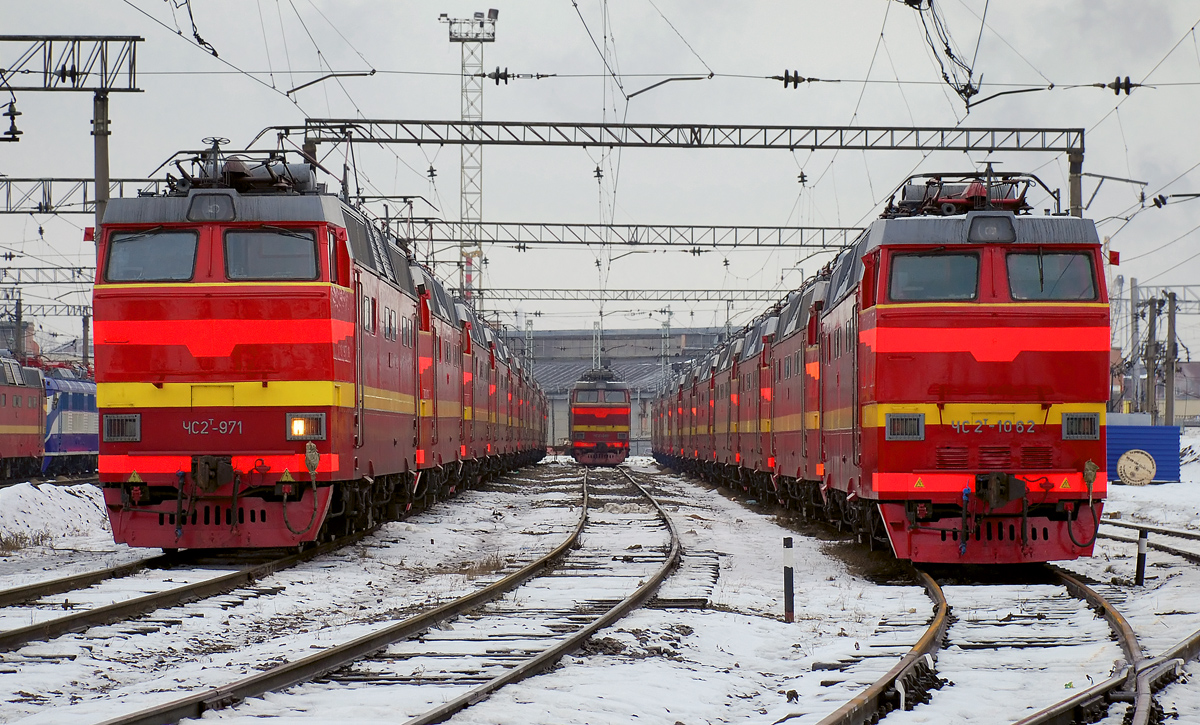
274 369
47 422
940 388
599 419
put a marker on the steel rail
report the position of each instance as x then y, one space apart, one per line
1179 533
1165 548
14 638
315 665
868 705
576 640
17 595
1072 709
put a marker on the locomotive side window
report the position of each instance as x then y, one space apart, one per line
1051 276
933 277
616 396
270 254
153 256
333 272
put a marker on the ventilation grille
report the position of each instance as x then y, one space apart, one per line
952 457
905 426
996 458
1081 426
1036 456
125 427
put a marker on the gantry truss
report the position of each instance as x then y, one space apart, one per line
77 196
66 196
47 275
610 135
632 295
1187 297
523 234
8 310
99 63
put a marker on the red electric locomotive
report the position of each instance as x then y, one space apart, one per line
941 388
273 369
22 410
599 419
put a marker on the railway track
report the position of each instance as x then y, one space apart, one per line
972 664
75 603
1152 542
59 481
386 576
442 660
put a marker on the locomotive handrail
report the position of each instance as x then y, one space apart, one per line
306 668
865 706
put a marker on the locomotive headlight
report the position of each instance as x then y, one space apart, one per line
306 426
991 229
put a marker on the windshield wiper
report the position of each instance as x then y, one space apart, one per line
139 235
290 232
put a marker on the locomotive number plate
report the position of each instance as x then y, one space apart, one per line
212 426
990 426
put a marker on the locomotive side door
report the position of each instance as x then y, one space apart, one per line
766 384
426 372
359 377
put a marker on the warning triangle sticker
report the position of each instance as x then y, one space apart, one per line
135 478
1065 484
918 484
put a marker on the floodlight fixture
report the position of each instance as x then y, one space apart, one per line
480 28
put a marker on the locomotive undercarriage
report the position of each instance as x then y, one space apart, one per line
71 465
993 527
292 511
14 468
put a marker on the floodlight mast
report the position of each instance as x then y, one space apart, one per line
471 33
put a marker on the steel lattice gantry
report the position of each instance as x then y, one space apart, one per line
8 309
932 138
632 295
695 136
97 63
66 196
47 275
521 234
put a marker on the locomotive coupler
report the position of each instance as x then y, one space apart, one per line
998 489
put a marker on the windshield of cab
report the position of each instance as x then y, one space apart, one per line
933 276
152 256
270 254
1051 276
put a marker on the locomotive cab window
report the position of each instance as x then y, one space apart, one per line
587 396
270 254
1051 276
151 256
933 277
616 396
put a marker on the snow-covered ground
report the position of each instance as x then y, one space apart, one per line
736 661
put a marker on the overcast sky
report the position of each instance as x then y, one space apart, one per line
188 95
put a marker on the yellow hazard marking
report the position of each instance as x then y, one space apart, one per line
135 478
286 477
918 484
1065 484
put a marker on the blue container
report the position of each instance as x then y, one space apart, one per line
1160 441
